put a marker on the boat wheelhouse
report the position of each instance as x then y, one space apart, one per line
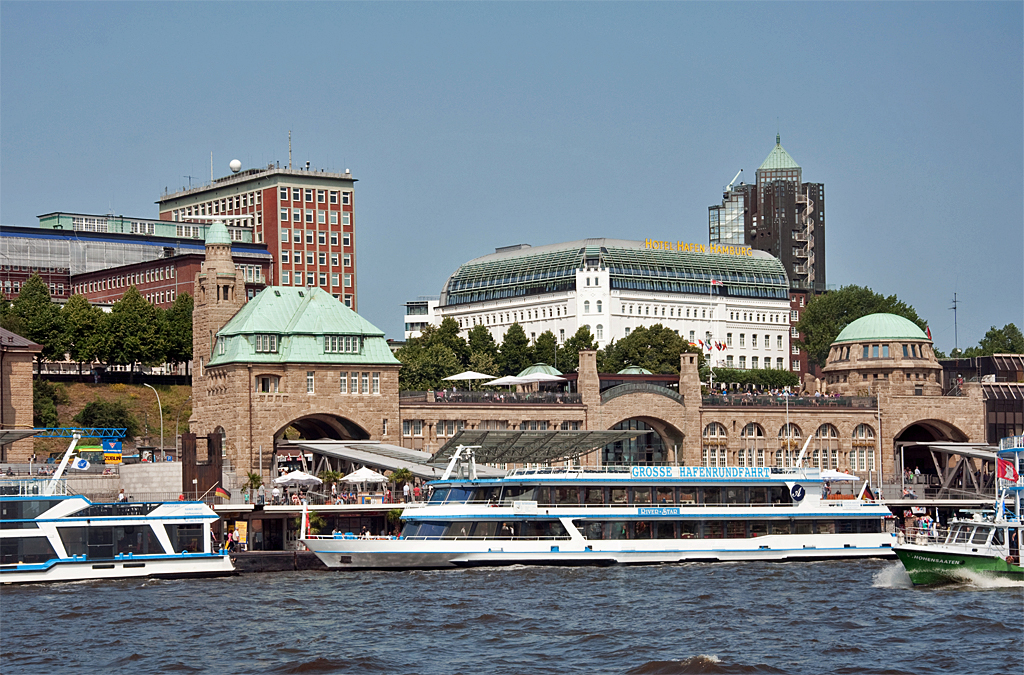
622 515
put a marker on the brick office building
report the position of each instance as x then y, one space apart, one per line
304 217
16 357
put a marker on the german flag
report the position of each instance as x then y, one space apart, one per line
221 492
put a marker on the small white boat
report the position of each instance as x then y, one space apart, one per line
47 534
622 515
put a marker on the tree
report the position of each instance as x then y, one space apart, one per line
8 319
827 315
656 348
40 318
82 330
545 349
765 378
515 354
133 332
108 415
447 334
1005 340
483 363
178 331
426 368
569 354
482 342
46 396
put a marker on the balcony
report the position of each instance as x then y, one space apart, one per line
768 401
489 398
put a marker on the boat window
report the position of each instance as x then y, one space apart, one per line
825 526
593 495
28 508
641 530
663 529
687 495
411 529
802 527
615 530
543 529
735 495
997 538
712 495
963 533
459 495
433 530
981 535
488 495
542 495
642 495
137 540
779 526
665 495
439 496
779 495
758 496
25 550
688 529
183 538
714 529
618 495
460 529
116 509
516 493
565 495
862 526
736 529
485 529
758 528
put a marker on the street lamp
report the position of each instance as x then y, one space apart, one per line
161 407
177 420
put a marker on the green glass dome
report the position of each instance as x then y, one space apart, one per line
634 370
881 327
218 234
540 368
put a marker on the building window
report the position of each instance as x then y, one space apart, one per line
266 343
343 382
309 258
384 427
309 381
346 218
268 384
297 215
310 279
309 194
407 428
284 219
778 341
743 339
364 384
347 259
885 351
348 301
348 280
283 193
743 362
598 306
561 335
753 362
346 197
284 257
334 280
375 384
794 315
753 341
586 306
321 196
309 215
334 217
600 332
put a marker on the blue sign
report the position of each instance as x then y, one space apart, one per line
798 492
701 472
657 511
111 445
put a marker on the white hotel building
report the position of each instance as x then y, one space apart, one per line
614 286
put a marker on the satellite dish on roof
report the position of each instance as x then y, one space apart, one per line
235 166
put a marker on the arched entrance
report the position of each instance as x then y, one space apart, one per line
315 427
918 462
660 447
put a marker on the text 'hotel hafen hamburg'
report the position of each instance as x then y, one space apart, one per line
733 297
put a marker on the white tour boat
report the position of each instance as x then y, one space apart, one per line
47 534
621 515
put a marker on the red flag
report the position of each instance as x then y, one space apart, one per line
716 282
1006 470
928 329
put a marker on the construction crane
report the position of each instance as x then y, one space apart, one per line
733 181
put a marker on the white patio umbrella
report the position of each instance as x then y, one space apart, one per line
297 479
365 475
508 380
469 375
542 377
832 474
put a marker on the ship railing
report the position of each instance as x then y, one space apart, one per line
30 487
615 505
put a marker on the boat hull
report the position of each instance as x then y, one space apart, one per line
434 554
162 567
928 565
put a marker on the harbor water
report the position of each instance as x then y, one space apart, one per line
815 617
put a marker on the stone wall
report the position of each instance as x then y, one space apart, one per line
16 383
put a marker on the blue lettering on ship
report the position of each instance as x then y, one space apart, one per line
700 472
657 511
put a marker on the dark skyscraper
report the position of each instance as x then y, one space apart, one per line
780 215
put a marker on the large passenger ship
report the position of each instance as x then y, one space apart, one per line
622 515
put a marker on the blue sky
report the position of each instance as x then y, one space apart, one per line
476 125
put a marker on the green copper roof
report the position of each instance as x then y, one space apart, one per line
634 370
778 158
300 318
540 368
881 327
218 234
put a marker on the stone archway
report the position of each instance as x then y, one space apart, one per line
912 452
321 426
664 446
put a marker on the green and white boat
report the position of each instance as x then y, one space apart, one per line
978 543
